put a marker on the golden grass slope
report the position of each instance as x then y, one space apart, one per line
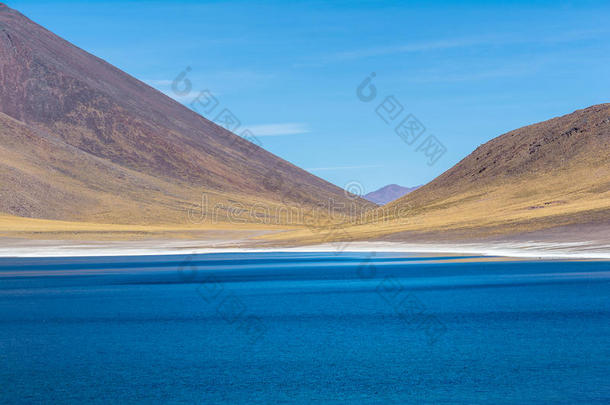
43 177
12 227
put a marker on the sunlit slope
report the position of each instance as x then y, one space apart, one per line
43 177
553 169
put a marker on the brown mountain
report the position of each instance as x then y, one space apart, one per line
82 140
553 173
388 193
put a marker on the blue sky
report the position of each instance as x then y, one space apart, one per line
468 71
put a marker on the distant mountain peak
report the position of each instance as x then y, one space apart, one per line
388 193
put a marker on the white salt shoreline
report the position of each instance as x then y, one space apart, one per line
526 249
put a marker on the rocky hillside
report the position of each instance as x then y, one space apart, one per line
556 172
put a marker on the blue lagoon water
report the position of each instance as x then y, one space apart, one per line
303 328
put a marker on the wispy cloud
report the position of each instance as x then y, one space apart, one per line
181 99
320 169
412 47
279 129
452 43
164 86
491 73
